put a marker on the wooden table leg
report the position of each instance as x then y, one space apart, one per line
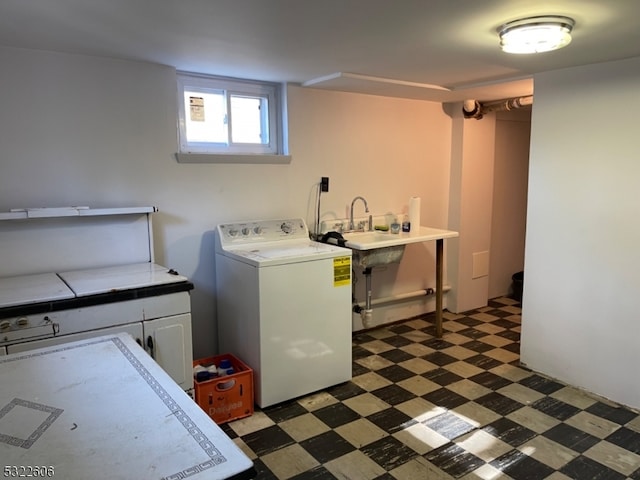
439 273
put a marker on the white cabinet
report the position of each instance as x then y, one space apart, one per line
168 341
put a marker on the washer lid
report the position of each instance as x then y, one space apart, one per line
278 253
121 277
28 289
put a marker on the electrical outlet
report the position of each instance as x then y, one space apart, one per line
324 184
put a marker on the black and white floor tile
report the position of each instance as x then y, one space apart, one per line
460 407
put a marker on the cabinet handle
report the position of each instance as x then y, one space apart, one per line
150 346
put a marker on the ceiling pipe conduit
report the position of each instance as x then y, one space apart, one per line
475 109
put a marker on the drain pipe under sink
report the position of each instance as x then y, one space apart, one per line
365 308
367 313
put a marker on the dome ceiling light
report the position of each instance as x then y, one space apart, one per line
536 34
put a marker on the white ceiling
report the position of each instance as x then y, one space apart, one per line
441 50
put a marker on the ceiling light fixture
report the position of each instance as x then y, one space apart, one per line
536 34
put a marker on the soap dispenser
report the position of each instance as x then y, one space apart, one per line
395 226
406 224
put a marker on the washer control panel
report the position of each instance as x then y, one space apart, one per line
262 231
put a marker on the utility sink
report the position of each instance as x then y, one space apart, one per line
376 257
368 249
366 240
371 249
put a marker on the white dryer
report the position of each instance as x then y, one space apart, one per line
284 307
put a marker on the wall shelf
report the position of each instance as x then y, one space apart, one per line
53 212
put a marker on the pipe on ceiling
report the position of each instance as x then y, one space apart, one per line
475 109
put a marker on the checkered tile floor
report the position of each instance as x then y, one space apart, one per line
458 407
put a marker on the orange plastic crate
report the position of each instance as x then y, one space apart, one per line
228 397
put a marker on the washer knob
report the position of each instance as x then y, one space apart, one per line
233 232
286 227
246 231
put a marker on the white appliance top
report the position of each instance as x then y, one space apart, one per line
108 411
273 242
122 277
28 289
49 287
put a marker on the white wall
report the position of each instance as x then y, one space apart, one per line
470 213
582 263
386 150
78 130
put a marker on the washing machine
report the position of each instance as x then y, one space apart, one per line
284 307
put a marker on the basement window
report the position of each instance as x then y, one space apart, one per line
220 115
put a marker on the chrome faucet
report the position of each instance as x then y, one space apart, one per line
366 209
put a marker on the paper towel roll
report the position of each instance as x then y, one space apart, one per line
414 213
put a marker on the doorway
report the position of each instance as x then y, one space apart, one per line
509 211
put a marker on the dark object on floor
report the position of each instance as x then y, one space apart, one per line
518 281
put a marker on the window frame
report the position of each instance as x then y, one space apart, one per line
230 87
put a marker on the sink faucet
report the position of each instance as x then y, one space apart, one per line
366 209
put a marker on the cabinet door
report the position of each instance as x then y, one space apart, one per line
168 341
133 329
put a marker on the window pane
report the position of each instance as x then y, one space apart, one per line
248 120
205 117
227 115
